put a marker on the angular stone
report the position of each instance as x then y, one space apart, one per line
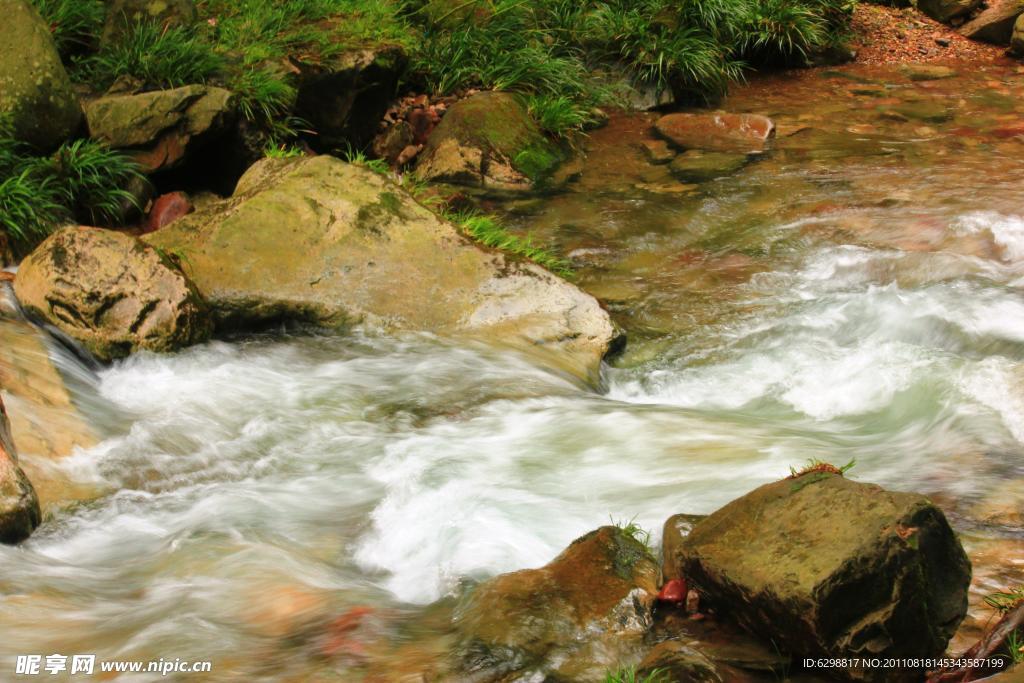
19 507
946 10
596 595
158 129
35 91
657 151
322 241
696 166
488 141
826 567
995 23
112 293
717 131
345 97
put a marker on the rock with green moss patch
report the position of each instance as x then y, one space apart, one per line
570 618
695 166
122 14
827 567
111 292
35 91
322 241
489 141
1017 38
160 129
19 506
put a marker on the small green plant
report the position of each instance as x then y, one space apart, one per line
161 56
815 466
29 209
92 179
354 156
283 151
634 531
560 115
487 230
1006 600
630 675
74 24
1015 646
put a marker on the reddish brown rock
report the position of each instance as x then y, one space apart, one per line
717 131
166 209
423 122
19 506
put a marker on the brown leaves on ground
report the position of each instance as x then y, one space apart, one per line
893 35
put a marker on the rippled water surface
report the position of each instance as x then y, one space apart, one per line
853 294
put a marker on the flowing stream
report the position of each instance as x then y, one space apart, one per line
855 294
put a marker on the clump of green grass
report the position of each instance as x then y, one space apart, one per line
161 56
816 466
487 230
634 531
74 24
560 115
82 181
630 675
358 157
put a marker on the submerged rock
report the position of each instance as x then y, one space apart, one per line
112 293
695 166
35 91
570 618
823 566
947 10
717 131
927 72
995 23
159 129
321 241
488 141
19 507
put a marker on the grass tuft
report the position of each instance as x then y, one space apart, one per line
630 675
487 230
634 531
74 24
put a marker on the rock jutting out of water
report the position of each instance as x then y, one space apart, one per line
19 506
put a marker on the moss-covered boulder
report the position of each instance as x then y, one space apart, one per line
488 141
112 293
1017 38
717 131
570 619
35 91
122 14
995 23
331 243
19 507
826 567
159 129
344 98
947 10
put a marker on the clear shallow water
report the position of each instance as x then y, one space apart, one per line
854 295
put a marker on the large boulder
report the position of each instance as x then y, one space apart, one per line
122 14
330 243
345 97
159 129
717 131
826 567
1017 39
948 10
19 507
995 23
35 91
488 141
571 619
112 293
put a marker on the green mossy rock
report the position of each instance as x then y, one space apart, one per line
111 292
19 506
827 567
1017 39
160 129
569 618
35 91
326 242
695 166
121 14
489 141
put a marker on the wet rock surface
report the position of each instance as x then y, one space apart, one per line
19 506
112 293
828 567
321 241
717 131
